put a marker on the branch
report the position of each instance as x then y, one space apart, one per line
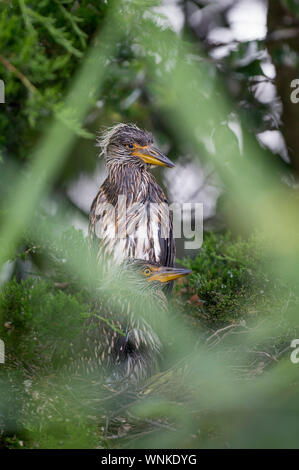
9 66
282 34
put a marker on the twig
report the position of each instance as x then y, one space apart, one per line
233 325
161 425
19 74
203 184
282 34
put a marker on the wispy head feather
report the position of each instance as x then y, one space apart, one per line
107 135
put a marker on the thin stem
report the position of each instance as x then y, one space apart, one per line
9 66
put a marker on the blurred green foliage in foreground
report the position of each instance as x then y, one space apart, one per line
229 288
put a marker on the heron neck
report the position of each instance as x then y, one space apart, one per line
130 178
148 303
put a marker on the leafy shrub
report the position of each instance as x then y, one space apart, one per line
38 321
230 280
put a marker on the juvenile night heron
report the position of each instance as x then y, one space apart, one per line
129 217
119 339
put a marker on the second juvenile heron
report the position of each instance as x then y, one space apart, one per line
120 337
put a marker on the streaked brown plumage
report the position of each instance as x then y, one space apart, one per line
119 338
147 233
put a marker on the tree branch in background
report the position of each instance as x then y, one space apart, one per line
283 49
9 66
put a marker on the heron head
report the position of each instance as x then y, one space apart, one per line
153 274
163 274
127 143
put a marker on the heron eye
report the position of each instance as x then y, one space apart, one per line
130 146
147 271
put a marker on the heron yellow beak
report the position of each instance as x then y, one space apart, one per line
165 274
152 156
